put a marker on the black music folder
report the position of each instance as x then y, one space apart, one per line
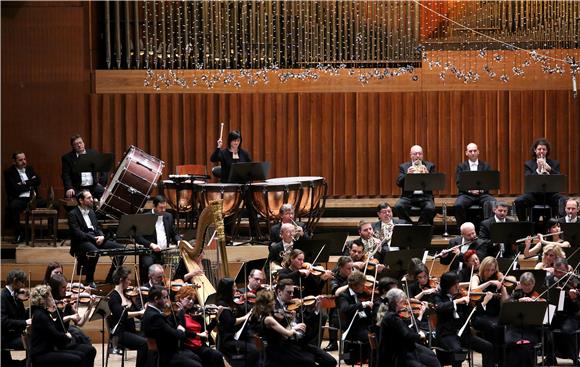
94 162
478 180
425 182
249 172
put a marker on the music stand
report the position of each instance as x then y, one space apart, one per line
508 232
397 262
478 180
335 242
94 162
133 225
425 182
571 233
523 314
412 237
246 172
311 248
247 266
100 312
539 276
545 183
572 256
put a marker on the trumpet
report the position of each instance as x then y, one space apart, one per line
298 231
418 167
542 165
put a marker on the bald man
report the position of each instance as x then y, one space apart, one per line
421 199
471 197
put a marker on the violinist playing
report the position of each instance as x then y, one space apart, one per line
452 313
14 316
191 317
49 344
400 345
67 307
565 319
354 304
124 310
304 274
338 284
248 293
470 261
421 291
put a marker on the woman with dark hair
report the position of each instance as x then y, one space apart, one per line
123 312
53 268
293 269
233 153
555 239
229 324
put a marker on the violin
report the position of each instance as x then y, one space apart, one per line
297 303
314 270
372 264
75 287
241 298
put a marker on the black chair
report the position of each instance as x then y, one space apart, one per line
152 353
567 334
113 346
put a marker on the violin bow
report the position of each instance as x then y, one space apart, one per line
137 277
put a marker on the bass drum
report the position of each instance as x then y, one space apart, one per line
132 183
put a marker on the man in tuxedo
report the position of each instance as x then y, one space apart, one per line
163 236
471 197
94 182
86 236
383 229
422 199
466 241
287 216
21 184
571 209
500 216
287 233
540 164
14 316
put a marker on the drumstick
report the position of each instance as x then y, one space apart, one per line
221 129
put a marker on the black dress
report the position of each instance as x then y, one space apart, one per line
125 327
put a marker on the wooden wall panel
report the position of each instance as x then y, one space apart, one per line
355 140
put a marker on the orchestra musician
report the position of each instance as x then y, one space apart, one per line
124 311
229 323
452 312
287 216
471 197
53 268
338 284
400 345
164 236
540 164
466 241
549 255
73 183
369 246
13 315
21 183
423 200
157 327
278 249
49 344
500 216
553 226
423 288
383 228
289 339
470 261
572 206
293 268
255 281
354 304
565 319
87 236
192 319
233 153
155 276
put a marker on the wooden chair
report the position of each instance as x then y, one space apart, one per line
37 216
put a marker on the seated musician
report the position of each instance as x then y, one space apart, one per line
553 233
466 241
500 216
540 164
486 317
74 182
338 284
422 199
383 229
86 236
367 238
255 281
423 287
124 310
49 344
400 345
14 316
278 249
284 336
550 253
241 351
164 236
471 197
572 206
287 213
355 306
155 276
452 312
53 268
157 327
192 319
68 310
358 249
293 268
470 261
566 319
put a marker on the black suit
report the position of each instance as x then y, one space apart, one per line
155 326
448 326
485 236
466 199
72 180
171 237
83 240
478 245
14 187
408 199
348 306
528 200
275 232
13 317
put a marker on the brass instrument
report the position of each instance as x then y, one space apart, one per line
542 165
418 167
296 227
